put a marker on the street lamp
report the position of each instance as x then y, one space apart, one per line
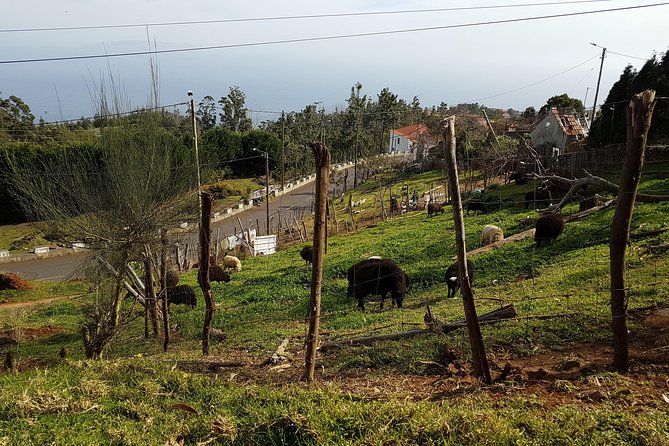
266 155
599 79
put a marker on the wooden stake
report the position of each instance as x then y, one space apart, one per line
639 116
478 349
322 158
203 272
150 290
163 275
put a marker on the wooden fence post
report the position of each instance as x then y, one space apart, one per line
203 272
480 360
322 158
163 274
639 115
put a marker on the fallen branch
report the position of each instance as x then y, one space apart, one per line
645 234
530 232
655 306
208 366
434 326
597 182
659 249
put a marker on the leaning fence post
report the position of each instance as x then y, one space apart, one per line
322 157
480 360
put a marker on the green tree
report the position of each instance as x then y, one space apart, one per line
16 120
387 109
530 114
561 102
206 113
609 126
234 111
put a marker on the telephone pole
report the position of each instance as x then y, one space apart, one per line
599 79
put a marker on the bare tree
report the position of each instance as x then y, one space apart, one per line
115 196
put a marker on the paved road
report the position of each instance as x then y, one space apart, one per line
297 202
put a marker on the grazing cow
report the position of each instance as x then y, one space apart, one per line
491 234
181 295
233 263
307 254
216 274
476 206
377 277
453 277
434 209
172 278
548 228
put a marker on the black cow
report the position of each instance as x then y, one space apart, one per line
453 277
307 254
378 277
434 209
181 295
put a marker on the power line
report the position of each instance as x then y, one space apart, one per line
295 17
334 37
535 83
627 55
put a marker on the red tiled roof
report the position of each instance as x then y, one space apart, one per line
412 132
569 123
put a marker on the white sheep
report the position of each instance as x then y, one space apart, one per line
232 262
491 234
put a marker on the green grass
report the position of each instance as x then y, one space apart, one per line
132 402
20 238
44 290
127 398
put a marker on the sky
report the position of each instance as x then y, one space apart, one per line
417 51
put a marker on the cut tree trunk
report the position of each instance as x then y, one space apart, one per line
639 116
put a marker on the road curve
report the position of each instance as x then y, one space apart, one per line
298 201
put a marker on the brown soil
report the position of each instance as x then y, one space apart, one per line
576 375
9 305
25 334
12 281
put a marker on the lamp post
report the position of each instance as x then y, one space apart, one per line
266 155
599 79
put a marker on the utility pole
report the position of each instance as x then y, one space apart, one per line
599 79
267 191
266 185
283 150
194 124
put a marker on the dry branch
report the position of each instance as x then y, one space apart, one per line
595 181
434 326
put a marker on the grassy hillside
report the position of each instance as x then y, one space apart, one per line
402 392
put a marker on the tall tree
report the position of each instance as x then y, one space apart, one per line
16 120
562 101
234 111
206 113
609 126
387 108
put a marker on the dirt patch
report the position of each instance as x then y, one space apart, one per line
27 334
580 374
658 319
29 303
12 281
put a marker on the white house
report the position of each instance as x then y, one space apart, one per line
406 139
558 130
